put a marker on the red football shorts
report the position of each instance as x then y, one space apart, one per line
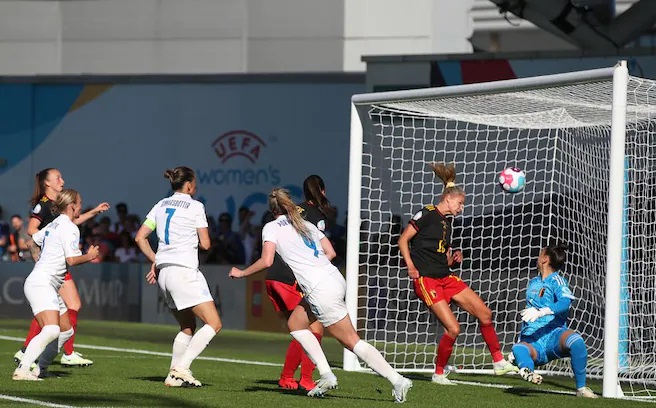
283 296
68 276
432 290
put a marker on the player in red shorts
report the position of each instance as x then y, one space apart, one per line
429 258
47 185
282 289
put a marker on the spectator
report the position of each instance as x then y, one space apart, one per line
246 232
126 252
122 214
4 238
18 248
105 252
227 248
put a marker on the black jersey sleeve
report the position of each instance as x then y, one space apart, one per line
42 211
421 219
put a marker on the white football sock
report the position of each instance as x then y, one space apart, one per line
313 349
197 344
52 349
180 344
370 355
49 334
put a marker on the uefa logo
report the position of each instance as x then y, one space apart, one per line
238 143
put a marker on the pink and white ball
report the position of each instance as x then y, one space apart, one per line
512 179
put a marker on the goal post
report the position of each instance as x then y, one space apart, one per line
577 136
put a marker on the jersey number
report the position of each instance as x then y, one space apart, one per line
312 245
169 212
43 244
441 246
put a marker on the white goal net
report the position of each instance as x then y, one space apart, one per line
558 130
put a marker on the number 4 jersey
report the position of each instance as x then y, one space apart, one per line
176 220
304 256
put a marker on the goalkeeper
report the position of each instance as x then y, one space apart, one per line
545 335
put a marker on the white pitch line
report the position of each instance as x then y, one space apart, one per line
260 363
158 353
33 402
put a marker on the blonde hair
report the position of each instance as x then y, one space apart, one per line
66 197
280 203
447 173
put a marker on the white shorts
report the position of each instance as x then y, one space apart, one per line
183 287
43 296
326 300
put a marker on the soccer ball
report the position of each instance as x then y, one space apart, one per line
512 179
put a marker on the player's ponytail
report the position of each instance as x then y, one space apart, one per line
178 176
313 190
280 203
447 173
556 254
65 198
40 185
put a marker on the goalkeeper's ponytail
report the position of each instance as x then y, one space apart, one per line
557 255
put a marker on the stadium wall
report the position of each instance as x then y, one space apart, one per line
119 292
112 137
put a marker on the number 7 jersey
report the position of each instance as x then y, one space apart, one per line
304 256
176 220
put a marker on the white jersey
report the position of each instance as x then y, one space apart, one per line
58 240
177 219
304 256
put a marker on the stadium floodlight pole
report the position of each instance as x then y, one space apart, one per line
614 242
353 230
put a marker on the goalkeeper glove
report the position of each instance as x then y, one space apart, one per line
532 314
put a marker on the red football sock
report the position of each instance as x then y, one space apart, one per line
292 359
68 346
307 366
492 341
34 330
444 350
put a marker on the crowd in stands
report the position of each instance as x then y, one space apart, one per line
234 242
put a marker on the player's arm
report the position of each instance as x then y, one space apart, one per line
100 208
404 247
204 241
141 239
563 297
71 245
33 225
328 249
265 261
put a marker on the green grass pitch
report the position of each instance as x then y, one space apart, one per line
134 379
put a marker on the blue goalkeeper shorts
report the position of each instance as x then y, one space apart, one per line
548 346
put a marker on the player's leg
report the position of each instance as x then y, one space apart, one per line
181 378
344 332
184 289
472 303
187 321
208 314
33 331
570 342
307 365
49 321
443 312
285 299
46 306
52 349
525 357
71 297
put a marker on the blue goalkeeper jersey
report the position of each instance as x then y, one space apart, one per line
554 293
